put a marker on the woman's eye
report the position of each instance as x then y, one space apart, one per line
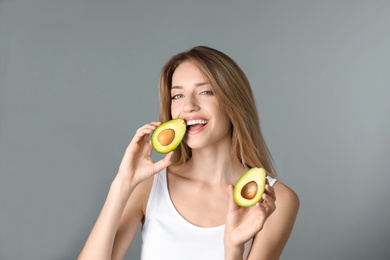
176 96
206 92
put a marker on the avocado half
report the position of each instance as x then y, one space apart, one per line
167 136
250 187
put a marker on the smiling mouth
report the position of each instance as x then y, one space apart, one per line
195 124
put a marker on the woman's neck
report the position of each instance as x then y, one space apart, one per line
214 165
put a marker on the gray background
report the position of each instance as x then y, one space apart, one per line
78 77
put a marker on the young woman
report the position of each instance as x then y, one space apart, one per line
184 201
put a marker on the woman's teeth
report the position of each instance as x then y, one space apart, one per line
196 122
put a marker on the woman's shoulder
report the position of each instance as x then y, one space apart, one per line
286 196
280 223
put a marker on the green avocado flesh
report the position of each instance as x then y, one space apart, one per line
168 135
250 187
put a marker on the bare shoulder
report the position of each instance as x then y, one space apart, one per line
286 196
287 204
270 241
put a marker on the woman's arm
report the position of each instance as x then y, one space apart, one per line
132 216
135 168
101 239
243 223
269 243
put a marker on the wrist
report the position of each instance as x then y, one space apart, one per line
124 187
234 252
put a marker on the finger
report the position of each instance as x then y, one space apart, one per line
163 163
140 138
155 123
142 130
149 148
270 191
152 125
266 198
145 129
150 128
232 204
268 203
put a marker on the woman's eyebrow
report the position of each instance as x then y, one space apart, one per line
196 85
202 84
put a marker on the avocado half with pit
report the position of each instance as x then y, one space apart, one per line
250 187
167 136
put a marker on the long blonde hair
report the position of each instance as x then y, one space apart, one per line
234 94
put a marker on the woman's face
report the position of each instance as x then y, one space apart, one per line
193 100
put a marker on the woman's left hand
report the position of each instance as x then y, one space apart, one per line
242 224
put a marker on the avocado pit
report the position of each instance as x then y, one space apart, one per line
166 136
249 190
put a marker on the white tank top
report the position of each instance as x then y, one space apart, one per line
167 235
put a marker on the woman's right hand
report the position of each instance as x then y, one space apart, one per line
136 165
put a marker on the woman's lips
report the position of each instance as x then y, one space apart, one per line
197 128
195 124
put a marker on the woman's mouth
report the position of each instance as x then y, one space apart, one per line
195 126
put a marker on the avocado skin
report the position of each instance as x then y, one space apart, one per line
254 174
179 126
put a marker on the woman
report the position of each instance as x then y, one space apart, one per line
184 201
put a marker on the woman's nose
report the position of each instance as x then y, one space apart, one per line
190 105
